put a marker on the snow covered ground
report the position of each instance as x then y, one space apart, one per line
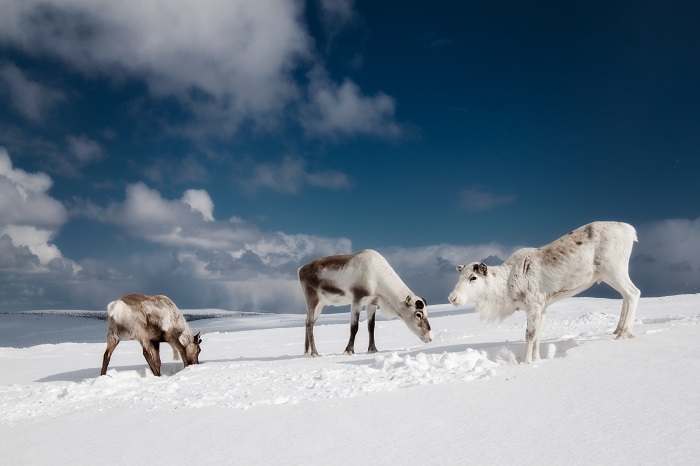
462 399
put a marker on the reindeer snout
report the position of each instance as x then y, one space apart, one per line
428 337
454 299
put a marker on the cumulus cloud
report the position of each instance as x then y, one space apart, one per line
84 149
29 220
225 62
205 261
180 223
343 110
28 214
30 98
476 199
199 201
188 224
291 175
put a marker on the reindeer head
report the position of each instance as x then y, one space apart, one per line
473 280
192 350
415 315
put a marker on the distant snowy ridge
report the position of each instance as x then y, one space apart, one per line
189 314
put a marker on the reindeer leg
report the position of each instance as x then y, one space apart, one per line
532 333
152 357
313 310
371 315
112 343
311 343
630 298
311 316
174 341
354 325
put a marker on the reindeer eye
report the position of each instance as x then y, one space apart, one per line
419 315
472 278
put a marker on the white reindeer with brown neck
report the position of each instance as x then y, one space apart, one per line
361 279
150 320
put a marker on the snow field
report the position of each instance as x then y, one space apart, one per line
463 397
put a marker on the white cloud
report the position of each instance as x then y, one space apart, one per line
291 175
182 223
204 262
475 199
226 62
199 201
30 98
188 225
29 218
84 149
343 110
24 199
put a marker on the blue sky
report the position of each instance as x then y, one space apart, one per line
205 150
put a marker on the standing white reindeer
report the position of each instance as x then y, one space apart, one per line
533 278
361 279
150 320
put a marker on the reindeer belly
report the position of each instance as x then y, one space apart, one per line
334 298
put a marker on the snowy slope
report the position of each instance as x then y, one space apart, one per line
463 399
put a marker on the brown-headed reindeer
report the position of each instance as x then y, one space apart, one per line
150 320
361 279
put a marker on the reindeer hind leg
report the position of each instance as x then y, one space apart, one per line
112 342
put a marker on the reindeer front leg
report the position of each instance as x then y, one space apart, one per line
152 355
354 325
371 315
174 341
532 333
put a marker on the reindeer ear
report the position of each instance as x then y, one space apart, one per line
408 300
459 268
481 268
198 338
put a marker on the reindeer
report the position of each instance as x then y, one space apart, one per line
361 279
532 279
150 320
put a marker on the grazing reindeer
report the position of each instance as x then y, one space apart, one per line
361 279
533 278
150 320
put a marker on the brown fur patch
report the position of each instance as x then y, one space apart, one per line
309 273
359 292
328 287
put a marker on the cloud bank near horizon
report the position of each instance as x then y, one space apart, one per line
205 262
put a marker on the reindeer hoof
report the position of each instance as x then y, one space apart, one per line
626 335
349 352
